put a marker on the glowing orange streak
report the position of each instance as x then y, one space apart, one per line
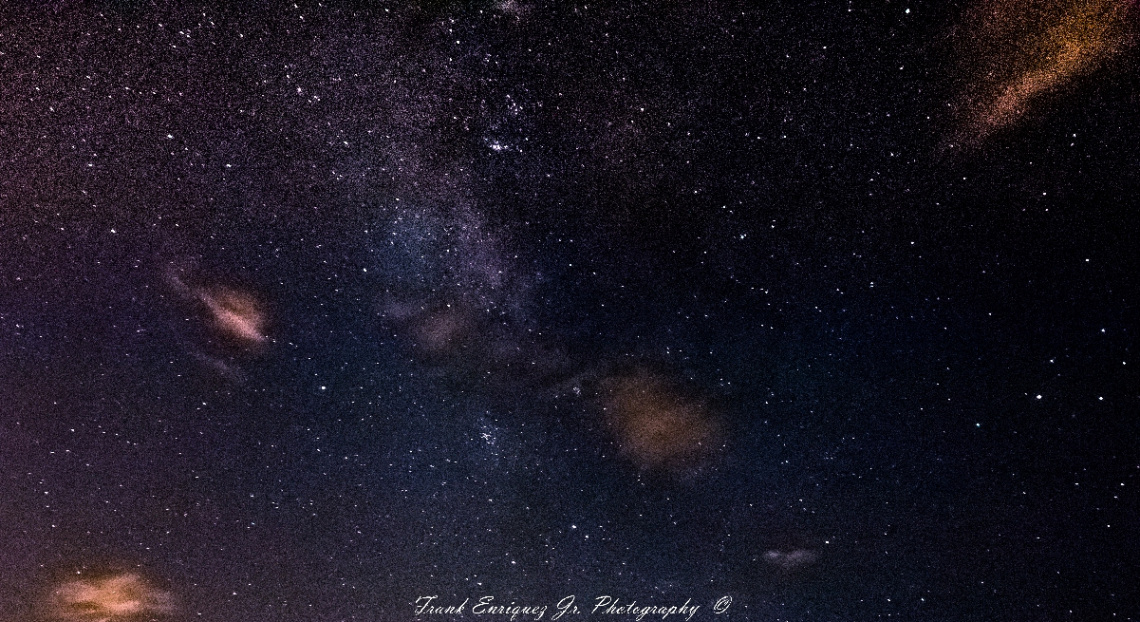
237 315
113 598
1084 38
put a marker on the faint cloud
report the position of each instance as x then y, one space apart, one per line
1021 50
657 426
125 596
791 560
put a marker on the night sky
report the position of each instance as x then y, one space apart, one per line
310 310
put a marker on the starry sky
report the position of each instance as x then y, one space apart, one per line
309 310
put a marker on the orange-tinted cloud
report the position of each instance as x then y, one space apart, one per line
1023 50
656 426
125 596
238 315
234 314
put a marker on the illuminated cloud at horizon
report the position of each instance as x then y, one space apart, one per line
124 596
